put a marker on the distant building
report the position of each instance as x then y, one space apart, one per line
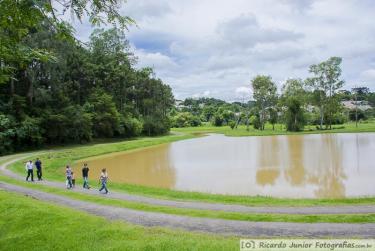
179 104
350 104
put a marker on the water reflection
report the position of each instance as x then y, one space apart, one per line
331 175
320 166
150 167
268 161
295 169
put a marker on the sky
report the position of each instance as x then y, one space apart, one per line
213 48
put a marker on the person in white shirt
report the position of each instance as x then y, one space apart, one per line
30 170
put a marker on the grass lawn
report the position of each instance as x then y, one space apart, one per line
29 224
279 129
56 160
340 218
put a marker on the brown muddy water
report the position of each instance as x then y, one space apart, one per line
294 166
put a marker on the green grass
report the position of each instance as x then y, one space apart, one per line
55 161
341 218
279 129
29 224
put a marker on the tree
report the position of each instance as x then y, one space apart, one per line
273 116
359 94
55 89
20 18
106 118
325 82
293 97
185 119
264 93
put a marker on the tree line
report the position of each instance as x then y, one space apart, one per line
55 89
316 100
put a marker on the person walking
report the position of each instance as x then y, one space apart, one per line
73 180
38 165
85 175
68 173
30 170
103 180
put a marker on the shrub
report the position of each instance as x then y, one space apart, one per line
130 127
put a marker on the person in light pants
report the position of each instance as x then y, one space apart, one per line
68 173
30 170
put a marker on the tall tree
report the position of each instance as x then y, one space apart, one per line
264 93
20 18
325 82
293 98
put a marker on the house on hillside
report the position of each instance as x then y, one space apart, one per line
351 105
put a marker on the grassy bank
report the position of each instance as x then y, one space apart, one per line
330 218
55 161
29 224
278 130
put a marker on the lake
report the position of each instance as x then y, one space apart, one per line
293 166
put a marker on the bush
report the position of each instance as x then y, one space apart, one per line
29 133
232 124
361 115
7 134
185 119
255 121
295 120
153 125
130 127
217 120
105 117
72 124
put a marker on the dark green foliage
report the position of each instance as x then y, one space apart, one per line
105 117
265 96
232 124
7 134
185 119
215 111
218 119
255 121
361 115
295 120
86 92
273 117
130 127
153 125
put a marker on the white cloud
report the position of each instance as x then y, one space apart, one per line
243 90
367 77
155 60
204 94
219 46
368 74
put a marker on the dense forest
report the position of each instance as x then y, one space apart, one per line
55 89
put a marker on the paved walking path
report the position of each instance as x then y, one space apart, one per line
355 209
217 226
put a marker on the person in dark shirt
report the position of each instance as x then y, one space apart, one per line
85 175
38 165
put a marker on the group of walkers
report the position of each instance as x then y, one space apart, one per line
30 169
70 176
